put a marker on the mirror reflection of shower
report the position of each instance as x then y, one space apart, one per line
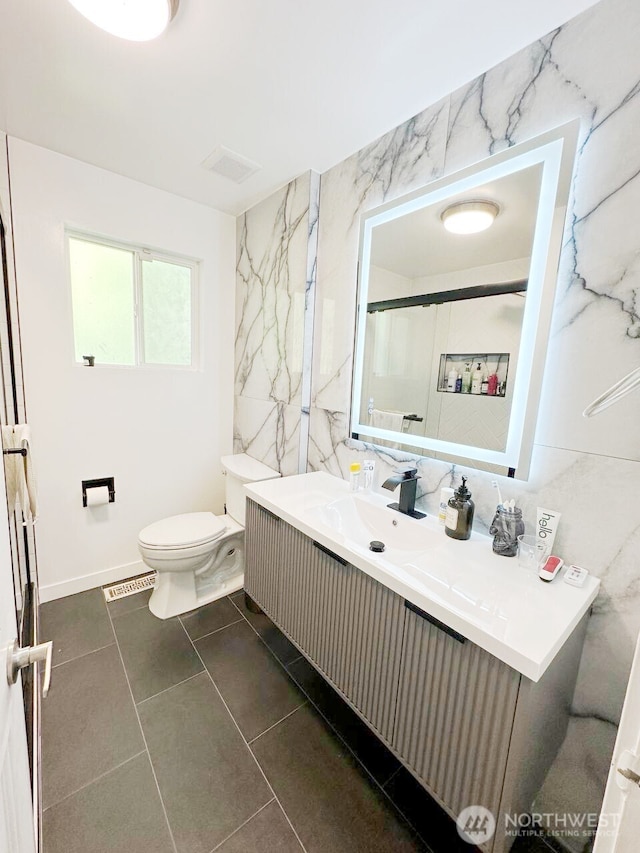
445 315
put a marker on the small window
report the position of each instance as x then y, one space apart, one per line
131 306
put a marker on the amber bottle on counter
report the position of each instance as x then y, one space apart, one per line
459 518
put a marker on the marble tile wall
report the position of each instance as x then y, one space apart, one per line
589 470
276 266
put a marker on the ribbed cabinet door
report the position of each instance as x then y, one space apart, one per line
456 706
303 578
263 557
347 623
363 660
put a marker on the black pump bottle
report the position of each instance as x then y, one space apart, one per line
459 518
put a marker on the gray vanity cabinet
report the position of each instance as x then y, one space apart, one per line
454 716
263 535
473 730
349 625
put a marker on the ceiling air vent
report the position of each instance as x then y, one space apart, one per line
230 165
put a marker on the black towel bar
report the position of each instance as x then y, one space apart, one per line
21 450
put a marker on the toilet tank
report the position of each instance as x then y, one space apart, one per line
241 469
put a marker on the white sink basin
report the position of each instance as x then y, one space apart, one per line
485 597
361 519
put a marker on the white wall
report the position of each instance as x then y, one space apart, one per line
159 432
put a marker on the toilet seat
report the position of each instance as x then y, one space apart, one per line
186 531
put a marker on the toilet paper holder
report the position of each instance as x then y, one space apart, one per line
99 484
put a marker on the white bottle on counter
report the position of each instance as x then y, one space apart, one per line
445 494
354 476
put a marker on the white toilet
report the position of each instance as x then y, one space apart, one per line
199 556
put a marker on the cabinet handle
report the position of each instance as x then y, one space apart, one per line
329 553
432 619
270 514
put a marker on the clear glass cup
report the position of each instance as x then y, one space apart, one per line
532 552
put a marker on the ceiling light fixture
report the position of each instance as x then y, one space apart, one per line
135 20
469 217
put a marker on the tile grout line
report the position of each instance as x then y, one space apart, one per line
166 689
543 838
367 772
281 720
264 642
83 655
262 808
217 630
97 779
144 739
108 604
393 776
251 753
340 737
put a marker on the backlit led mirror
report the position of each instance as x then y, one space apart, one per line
456 288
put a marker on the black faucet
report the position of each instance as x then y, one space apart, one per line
407 478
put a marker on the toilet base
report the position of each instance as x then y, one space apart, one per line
174 593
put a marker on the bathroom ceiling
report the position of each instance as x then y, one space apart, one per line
290 85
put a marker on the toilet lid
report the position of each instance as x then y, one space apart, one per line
191 528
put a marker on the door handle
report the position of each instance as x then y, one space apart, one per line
18 658
630 775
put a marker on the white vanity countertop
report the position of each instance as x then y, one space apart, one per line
488 599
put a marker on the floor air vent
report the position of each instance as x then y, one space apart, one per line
122 590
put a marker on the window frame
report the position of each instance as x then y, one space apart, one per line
140 254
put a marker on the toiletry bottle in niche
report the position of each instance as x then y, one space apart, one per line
459 383
476 381
466 378
492 384
484 387
354 476
452 378
459 516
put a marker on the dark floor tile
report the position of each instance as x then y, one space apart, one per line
433 824
129 603
373 754
157 653
282 648
210 618
254 686
77 624
267 832
102 817
89 723
327 796
535 844
209 782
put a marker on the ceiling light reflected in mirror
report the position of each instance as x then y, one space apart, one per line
469 217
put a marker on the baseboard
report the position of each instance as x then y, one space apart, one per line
50 592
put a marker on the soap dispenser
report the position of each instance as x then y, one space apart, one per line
459 516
